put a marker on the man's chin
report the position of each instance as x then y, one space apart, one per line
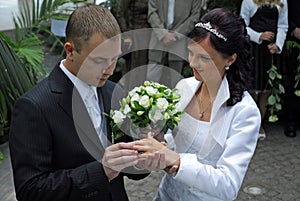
101 82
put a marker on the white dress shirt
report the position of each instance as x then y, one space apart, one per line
214 156
171 7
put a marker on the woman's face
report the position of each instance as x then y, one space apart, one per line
207 63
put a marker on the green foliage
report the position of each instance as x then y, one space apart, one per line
14 78
3 113
290 45
32 21
274 99
1 157
14 81
112 5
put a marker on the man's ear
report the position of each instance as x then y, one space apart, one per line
69 48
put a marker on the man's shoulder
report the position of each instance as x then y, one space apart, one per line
38 91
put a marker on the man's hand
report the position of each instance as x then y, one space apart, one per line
117 157
128 43
169 38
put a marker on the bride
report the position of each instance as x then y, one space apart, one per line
209 152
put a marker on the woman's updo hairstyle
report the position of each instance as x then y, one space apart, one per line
228 35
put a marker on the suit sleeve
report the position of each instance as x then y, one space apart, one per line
155 21
185 28
31 149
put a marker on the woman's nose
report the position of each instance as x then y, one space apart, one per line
193 63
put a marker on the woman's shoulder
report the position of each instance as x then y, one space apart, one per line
246 102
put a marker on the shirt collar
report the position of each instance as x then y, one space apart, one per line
82 87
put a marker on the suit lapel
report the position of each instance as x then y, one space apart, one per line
61 85
71 103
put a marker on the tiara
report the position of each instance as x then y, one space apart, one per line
209 28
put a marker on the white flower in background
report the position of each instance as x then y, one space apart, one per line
151 90
144 101
118 117
162 104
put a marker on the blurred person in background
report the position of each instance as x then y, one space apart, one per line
173 20
291 105
267 24
132 15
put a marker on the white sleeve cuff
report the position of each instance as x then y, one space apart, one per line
187 172
254 36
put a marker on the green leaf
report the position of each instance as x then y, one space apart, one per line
272 75
273 118
278 106
118 135
297 93
271 100
279 76
1 157
281 88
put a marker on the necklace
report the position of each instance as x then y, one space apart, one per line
200 102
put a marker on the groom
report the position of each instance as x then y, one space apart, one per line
59 141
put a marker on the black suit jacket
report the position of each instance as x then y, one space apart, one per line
55 151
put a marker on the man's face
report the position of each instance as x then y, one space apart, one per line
97 59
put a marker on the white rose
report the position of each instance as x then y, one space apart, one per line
155 115
150 90
135 97
118 117
127 109
167 92
162 104
144 101
134 90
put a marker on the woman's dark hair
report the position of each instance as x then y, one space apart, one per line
233 28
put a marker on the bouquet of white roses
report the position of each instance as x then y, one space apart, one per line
151 107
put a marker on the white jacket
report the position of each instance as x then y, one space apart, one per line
217 171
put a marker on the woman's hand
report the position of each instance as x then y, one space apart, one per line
151 146
267 36
273 48
152 161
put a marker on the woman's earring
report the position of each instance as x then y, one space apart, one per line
226 68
